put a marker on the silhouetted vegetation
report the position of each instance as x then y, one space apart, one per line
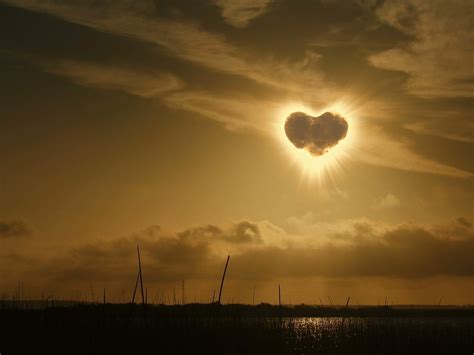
81 328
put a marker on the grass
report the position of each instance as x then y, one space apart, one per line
235 329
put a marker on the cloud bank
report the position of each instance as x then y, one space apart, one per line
360 257
263 251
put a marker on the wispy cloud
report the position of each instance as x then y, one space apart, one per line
439 57
147 85
302 79
235 113
386 202
451 127
382 150
239 13
182 39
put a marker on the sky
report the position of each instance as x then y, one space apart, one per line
164 123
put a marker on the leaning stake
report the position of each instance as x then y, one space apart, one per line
141 275
223 277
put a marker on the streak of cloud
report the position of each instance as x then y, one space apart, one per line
182 39
188 41
381 150
147 85
13 229
239 13
437 57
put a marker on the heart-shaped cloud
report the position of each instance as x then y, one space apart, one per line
315 134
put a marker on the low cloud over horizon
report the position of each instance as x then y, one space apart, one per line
262 253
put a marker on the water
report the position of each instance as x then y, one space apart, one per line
390 335
179 330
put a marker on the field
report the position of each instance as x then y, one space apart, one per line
65 328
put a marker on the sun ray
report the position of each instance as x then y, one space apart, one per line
330 165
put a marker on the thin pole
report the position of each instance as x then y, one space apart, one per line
92 293
183 295
135 289
253 296
223 278
279 295
141 275
347 303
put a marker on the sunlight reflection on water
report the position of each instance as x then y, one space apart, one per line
308 334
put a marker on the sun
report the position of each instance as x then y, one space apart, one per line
328 165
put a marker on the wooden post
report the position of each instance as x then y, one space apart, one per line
92 293
135 289
141 275
223 278
183 295
279 295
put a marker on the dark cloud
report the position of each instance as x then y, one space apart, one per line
242 232
245 232
13 229
190 254
315 134
207 231
464 222
405 251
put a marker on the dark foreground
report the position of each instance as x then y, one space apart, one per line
235 329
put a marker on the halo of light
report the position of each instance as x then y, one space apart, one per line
328 165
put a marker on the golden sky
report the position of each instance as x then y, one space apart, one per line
163 122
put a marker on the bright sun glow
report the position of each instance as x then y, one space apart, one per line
329 164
